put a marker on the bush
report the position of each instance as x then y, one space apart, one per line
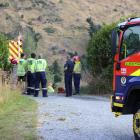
50 76
56 70
50 30
60 1
37 37
4 5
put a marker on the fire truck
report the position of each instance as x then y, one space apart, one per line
15 49
126 78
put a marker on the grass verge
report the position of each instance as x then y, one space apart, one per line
17 116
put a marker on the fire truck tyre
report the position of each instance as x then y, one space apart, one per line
136 125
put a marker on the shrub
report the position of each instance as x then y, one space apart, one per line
4 5
60 1
50 76
115 10
37 37
50 30
56 70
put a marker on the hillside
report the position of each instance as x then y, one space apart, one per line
60 25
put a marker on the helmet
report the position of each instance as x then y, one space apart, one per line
14 61
76 58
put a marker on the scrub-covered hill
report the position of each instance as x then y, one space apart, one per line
59 27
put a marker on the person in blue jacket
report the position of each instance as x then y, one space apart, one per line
68 70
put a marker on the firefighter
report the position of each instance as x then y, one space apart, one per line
40 69
77 75
21 72
31 74
68 70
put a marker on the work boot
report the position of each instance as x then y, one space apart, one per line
35 95
45 96
76 93
28 93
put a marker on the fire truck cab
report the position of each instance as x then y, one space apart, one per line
126 78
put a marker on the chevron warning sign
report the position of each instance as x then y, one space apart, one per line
15 49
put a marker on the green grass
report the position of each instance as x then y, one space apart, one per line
17 116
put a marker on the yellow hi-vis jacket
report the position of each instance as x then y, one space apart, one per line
31 65
22 66
40 65
77 67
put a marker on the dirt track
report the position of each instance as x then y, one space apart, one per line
80 118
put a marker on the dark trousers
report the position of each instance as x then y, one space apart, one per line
30 83
77 78
41 78
68 84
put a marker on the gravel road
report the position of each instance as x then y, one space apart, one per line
80 118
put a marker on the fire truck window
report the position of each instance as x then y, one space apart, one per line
131 42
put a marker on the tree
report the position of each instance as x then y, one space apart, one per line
99 51
4 53
92 27
100 59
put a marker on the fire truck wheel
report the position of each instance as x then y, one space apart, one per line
136 125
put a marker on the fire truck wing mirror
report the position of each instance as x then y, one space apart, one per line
114 41
123 27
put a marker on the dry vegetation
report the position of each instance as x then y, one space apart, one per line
17 115
65 21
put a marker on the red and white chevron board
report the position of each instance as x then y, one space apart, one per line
15 49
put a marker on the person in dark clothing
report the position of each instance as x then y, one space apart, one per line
40 74
68 70
31 74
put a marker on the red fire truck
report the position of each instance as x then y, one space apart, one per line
126 78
